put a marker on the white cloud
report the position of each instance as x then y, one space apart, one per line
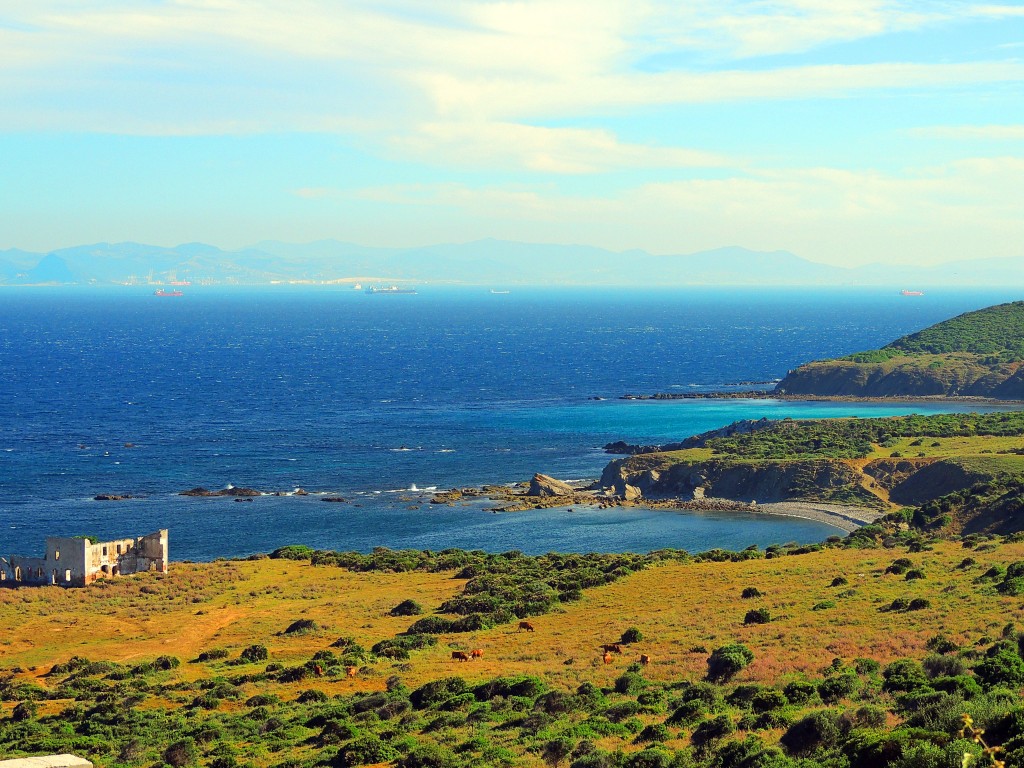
515 146
972 132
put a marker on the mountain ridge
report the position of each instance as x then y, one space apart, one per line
480 262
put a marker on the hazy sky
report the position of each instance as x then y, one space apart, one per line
847 131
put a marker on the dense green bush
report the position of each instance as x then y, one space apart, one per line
255 653
406 608
726 662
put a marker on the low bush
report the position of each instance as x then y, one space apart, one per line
758 616
406 608
750 593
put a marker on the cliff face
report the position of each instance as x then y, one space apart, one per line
763 481
931 377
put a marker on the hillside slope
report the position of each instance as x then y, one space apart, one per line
977 354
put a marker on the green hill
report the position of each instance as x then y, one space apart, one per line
977 354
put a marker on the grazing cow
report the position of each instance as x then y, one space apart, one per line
607 658
612 648
351 671
645 659
318 671
460 656
525 625
477 653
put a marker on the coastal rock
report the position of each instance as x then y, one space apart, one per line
543 485
334 499
111 497
200 491
631 493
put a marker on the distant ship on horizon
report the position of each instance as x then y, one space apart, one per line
498 293
389 289
911 293
162 292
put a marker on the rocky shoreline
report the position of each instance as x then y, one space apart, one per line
544 492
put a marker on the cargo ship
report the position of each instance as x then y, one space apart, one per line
389 289
162 292
911 293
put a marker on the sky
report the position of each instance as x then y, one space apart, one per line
846 131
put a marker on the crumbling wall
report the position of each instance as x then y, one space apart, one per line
75 562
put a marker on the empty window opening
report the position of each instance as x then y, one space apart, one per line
104 551
67 575
105 569
119 549
56 555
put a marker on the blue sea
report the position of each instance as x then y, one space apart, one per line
381 398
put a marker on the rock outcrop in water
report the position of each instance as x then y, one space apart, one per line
544 485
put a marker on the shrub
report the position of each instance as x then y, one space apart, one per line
712 729
800 692
833 689
725 662
686 713
428 755
941 644
438 691
406 608
292 552
302 627
652 757
181 753
919 604
1002 666
904 675
631 635
213 654
805 735
255 653
366 750
757 616
25 710
750 593
914 573
839 581
312 696
900 566
654 732
629 684
899 604
824 605
767 700
557 750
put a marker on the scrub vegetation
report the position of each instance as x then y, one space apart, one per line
855 666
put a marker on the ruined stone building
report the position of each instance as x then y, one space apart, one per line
77 562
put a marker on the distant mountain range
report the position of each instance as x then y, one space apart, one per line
483 262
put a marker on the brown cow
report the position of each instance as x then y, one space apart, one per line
612 648
645 659
525 625
460 656
318 671
607 658
477 653
351 671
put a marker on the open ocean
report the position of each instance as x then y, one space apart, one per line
372 397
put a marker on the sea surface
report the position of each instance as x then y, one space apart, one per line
377 398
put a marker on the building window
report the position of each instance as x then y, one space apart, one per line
56 555
67 575
104 551
119 549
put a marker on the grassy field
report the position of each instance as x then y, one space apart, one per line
683 610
